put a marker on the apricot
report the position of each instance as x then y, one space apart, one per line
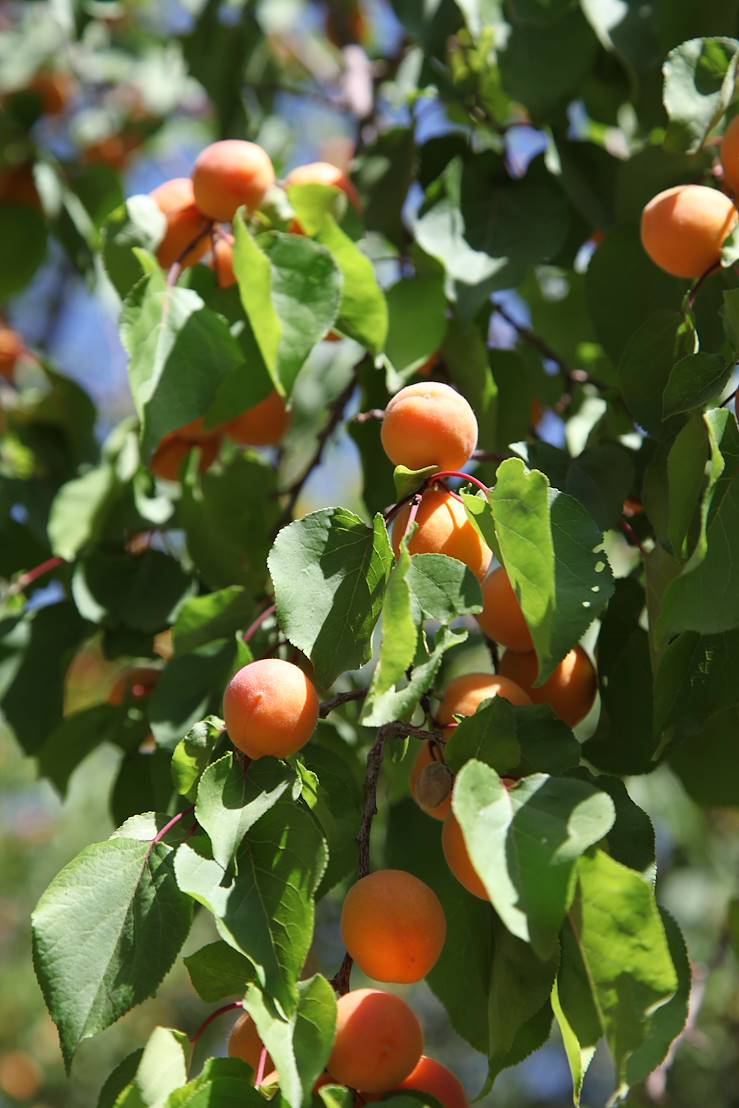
464 695
501 617
244 1043
458 859
378 1041
185 224
432 1077
11 350
570 691
223 261
431 783
270 707
136 683
263 425
230 173
323 173
169 456
429 424
729 154
393 925
684 228
443 528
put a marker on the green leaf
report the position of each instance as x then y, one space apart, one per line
254 275
686 477
217 615
416 322
525 842
707 765
514 740
408 481
646 368
553 553
444 587
162 1070
192 754
695 681
190 686
400 703
124 893
230 801
399 635
223 1083
329 572
217 971
699 81
465 352
76 736
544 66
694 381
78 510
121 1076
334 798
301 1045
180 352
142 593
24 237
363 313
266 912
139 222
623 955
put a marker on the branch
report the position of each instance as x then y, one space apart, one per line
341 698
174 271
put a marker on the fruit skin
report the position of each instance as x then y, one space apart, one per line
393 925
270 707
443 528
684 228
228 174
501 617
323 173
223 261
730 155
429 424
11 349
464 695
184 223
425 758
571 689
458 859
263 425
378 1041
136 684
432 1077
244 1043
167 459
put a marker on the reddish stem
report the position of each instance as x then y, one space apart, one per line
630 533
252 630
171 823
448 473
261 1066
194 1039
32 575
415 505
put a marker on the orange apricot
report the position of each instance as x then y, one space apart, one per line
464 695
393 925
185 224
501 617
263 425
135 684
432 1077
323 173
378 1041
11 349
684 228
458 859
270 707
432 790
223 261
228 174
443 528
570 691
730 154
169 456
244 1043
429 424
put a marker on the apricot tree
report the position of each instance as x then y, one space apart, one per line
514 304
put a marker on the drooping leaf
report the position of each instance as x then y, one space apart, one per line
363 313
161 1070
514 740
217 972
699 81
444 587
192 754
218 615
223 1082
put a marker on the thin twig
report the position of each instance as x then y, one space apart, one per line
195 1037
369 415
692 293
169 825
631 534
341 698
174 271
261 1067
415 505
26 579
262 618
449 473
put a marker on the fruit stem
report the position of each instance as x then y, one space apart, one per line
33 575
254 627
415 505
170 824
261 1067
449 473
195 1037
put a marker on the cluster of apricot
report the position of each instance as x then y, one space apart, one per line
429 424
684 228
227 175
392 923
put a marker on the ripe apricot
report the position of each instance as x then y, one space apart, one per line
223 261
730 155
432 790
228 174
443 528
429 424
684 228
323 173
378 1041
458 859
270 707
464 695
501 617
185 224
169 456
244 1043
135 684
393 925
432 1077
570 691
11 349
263 425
